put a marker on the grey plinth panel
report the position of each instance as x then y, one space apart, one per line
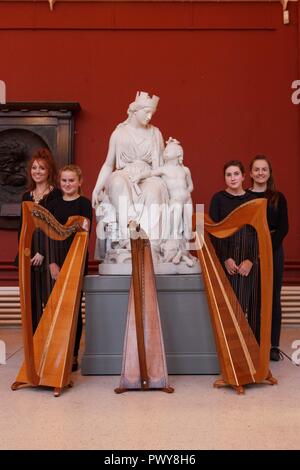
187 332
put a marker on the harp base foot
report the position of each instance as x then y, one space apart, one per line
221 383
17 385
57 390
271 380
168 389
119 390
239 389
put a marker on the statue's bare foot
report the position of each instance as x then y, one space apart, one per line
177 258
189 261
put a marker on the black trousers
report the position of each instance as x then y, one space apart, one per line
278 264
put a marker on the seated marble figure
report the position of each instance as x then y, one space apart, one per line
135 184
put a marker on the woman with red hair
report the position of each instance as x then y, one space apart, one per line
42 174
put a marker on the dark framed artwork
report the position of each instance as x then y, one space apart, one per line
25 127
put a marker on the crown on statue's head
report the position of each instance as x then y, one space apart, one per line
143 100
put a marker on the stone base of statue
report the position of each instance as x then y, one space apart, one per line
111 269
169 257
187 332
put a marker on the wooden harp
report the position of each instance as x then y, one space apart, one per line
242 360
49 352
144 363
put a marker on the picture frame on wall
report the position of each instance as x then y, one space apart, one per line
25 127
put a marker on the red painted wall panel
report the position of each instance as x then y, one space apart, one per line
223 72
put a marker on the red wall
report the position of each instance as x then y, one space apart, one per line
223 72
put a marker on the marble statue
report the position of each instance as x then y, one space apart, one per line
142 181
179 183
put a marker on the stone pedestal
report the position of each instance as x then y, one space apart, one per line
187 332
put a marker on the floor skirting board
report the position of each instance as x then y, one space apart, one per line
10 314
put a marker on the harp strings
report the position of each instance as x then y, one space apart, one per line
56 311
254 305
232 304
226 295
41 281
244 295
40 276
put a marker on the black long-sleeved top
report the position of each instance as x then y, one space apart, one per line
277 217
38 240
62 210
240 245
223 203
47 199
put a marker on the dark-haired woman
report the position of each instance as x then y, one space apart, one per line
42 174
238 253
277 213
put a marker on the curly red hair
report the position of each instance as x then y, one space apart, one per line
45 156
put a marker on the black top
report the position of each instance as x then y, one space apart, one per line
277 218
45 201
239 246
62 210
223 203
38 239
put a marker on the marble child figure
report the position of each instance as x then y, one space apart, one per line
179 184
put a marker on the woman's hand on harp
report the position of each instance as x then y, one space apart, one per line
245 267
86 225
231 266
37 260
54 270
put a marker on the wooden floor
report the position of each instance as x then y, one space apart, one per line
196 416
